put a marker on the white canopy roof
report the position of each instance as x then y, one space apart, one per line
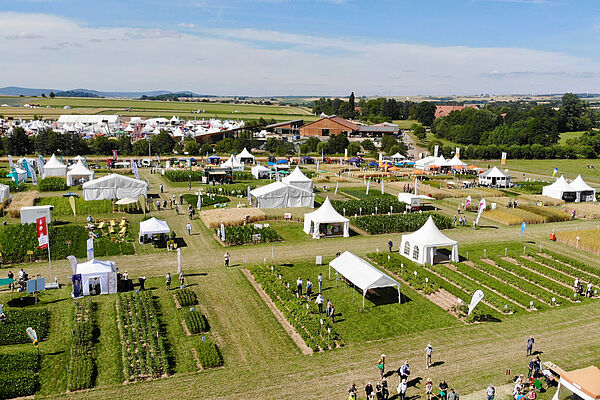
4 192
245 154
233 162
298 179
54 167
557 189
421 246
580 185
153 226
429 235
398 156
494 172
259 170
95 266
280 195
103 271
326 214
79 171
114 186
362 274
455 162
78 158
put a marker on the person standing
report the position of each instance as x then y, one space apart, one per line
369 391
168 281
320 280
328 309
11 285
181 280
176 209
332 313
299 286
491 392
353 392
443 390
181 199
452 395
428 353
530 343
381 365
308 289
390 245
402 389
428 389
158 205
188 226
404 371
226 257
320 299
384 389
161 188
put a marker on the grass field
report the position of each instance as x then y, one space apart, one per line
543 169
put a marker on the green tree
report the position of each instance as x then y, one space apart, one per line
419 131
368 145
345 110
354 148
52 95
426 113
206 149
351 101
140 147
191 147
162 143
18 143
124 145
337 143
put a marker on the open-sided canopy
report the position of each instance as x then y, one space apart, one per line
103 271
233 163
114 186
153 226
361 273
258 171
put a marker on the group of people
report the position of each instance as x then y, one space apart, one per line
578 288
460 220
512 203
21 280
305 289
181 280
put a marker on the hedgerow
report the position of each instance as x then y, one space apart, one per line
52 184
243 234
377 224
207 199
184 176
12 331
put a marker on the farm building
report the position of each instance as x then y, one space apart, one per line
334 125
286 128
444 111
494 177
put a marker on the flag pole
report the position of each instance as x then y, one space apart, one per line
49 259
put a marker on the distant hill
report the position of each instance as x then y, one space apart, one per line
18 91
77 93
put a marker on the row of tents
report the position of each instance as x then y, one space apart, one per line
576 191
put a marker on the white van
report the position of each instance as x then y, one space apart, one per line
146 162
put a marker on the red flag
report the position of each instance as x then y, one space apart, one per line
42 232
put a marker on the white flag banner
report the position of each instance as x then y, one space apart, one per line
223 233
41 166
367 193
480 210
382 188
178 260
199 201
73 261
10 162
32 174
477 296
457 152
436 149
90 248
468 202
337 184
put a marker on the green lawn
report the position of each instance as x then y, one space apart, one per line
544 168
569 135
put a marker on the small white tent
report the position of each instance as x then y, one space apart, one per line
4 192
260 171
421 246
326 221
114 186
54 167
298 179
245 157
494 177
152 226
582 384
233 163
280 195
455 162
584 191
397 157
560 190
79 174
362 274
96 272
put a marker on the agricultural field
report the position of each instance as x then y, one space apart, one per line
543 169
585 239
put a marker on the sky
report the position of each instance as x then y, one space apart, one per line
303 47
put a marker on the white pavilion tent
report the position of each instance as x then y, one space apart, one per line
421 246
21 174
78 174
455 162
582 383
584 191
260 171
561 190
298 179
4 192
245 157
233 163
153 226
326 221
362 274
95 272
114 186
494 177
397 157
54 167
280 195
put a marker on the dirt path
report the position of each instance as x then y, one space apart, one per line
442 298
284 322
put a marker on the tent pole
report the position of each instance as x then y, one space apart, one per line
399 295
364 293
329 271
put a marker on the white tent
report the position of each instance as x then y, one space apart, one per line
362 274
151 227
582 383
326 221
413 200
259 171
298 179
560 190
4 192
455 162
54 167
245 157
79 173
494 177
421 246
233 163
397 157
96 272
584 191
21 174
280 195
114 186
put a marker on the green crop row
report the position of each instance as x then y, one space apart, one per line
547 271
18 384
81 362
207 199
209 354
12 331
377 224
471 287
568 269
516 281
243 234
235 189
575 265
142 343
83 207
196 321
306 320
53 184
186 297
378 205
184 176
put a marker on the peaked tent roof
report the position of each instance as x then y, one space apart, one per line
326 213
398 155
245 154
78 158
232 162
580 185
95 266
429 234
296 176
153 226
455 161
494 172
54 163
361 273
80 169
562 185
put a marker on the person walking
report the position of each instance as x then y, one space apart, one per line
181 280
226 257
332 313
369 391
353 392
161 188
530 343
328 309
308 289
168 281
428 353
188 226
390 245
158 205
381 365
320 300
320 280
174 199
299 286
11 285
402 389
443 390
452 395
491 392
428 389
404 371
176 209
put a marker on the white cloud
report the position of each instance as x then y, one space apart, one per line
23 35
256 62
186 25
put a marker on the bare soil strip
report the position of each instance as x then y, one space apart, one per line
278 314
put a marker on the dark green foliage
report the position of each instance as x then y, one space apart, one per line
83 207
242 176
52 184
12 185
426 112
196 322
368 206
243 234
209 354
17 384
235 189
184 176
186 297
376 224
21 360
17 320
207 200
529 187
81 362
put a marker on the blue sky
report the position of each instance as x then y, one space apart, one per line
306 47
